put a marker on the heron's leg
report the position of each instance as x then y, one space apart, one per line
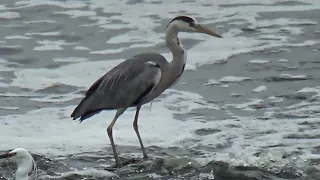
135 126
109 131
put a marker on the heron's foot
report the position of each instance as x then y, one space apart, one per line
113 167
145 157
122 164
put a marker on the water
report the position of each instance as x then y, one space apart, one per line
247 106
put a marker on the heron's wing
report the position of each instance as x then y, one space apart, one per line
94 86
123 86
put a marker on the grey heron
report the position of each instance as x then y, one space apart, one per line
25 163
138 80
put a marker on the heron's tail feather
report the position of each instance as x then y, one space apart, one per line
85 109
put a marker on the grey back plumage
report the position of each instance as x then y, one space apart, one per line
123 86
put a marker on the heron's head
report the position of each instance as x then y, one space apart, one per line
188 24
16 154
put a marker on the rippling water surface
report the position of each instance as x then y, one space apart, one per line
247 106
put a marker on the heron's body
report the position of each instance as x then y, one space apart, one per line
124 85
138 80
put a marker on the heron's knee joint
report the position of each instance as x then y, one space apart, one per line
109 130
135 125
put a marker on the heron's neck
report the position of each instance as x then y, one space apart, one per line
178 52
173 42
25 166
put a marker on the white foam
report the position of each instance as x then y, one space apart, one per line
247 105
72 137
51 45
40 21
206 176
137 36
9 108
283 60
44 33
119 50
83 48
290 76
56 98
231 79
17 37
260 89
70 59
309 89
8 94
4 63
2 7
87 172
259 61
66 4
294 30
9 15
284 21
108 51
3 84
251 136
167 9
12 25
210 50
48 47
11 47
212 82
236 94
72 74
276 99
77 13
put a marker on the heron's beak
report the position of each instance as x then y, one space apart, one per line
203 29
7 155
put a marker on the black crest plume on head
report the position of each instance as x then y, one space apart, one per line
185 19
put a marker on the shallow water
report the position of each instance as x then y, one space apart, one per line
247 106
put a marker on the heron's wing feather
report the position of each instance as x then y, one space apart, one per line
123 86
94 86
126 84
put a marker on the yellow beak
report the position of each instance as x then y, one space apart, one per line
7 155
205 30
